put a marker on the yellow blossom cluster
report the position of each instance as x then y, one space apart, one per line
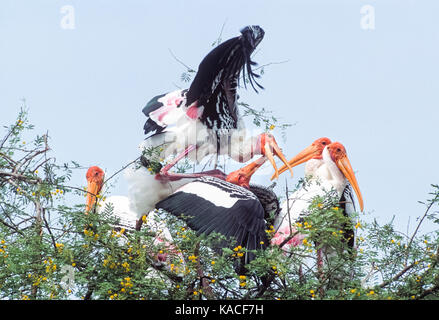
192 258
242 281
57 192
59 246
270 230
126 285
91 234
50 266
3 249
239 252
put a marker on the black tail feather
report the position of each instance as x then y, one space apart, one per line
225 63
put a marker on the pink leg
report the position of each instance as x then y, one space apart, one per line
165 175
166 168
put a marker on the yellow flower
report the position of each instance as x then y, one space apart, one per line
353 290
213 262
320 205
242 284
311 291
242 277
272 127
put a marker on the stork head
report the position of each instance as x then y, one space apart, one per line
338 154
267 146
314 151
241 177
95 181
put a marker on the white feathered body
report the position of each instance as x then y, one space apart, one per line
182 130
322 176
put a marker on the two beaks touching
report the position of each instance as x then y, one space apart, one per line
322 149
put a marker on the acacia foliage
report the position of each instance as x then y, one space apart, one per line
49 249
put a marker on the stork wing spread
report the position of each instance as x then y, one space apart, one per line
213 90
212 205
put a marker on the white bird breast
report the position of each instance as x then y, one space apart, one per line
216 196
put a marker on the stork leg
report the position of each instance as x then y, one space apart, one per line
165 169
164 173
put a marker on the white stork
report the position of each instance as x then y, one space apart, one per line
234 208
327 168
204 119
122 209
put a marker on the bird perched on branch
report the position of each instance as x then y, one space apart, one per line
204 119
234 208
327 169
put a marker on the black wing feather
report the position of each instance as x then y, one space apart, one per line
244 221
347 203
214 85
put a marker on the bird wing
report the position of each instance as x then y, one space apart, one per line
269 201
347 203
214 86
164 110
212 205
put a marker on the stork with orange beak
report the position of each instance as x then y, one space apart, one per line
234 208
327 168
122 210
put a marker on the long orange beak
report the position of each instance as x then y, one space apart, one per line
93 189
305 155
271 144
345 167
242 176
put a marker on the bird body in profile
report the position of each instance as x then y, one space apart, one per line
327 170
233 208
204 119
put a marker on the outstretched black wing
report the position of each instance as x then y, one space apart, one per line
214 86
211 205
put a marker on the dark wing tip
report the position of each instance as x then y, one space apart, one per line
252 35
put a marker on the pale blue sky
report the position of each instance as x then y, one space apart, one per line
376 91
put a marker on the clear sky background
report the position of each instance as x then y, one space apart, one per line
374 90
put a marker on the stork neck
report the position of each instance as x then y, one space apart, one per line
312 165
338 179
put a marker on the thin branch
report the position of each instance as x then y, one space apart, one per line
189 69
120 170
397 276
433 201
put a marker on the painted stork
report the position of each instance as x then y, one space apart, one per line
234 208
122 210
327 168
204 119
